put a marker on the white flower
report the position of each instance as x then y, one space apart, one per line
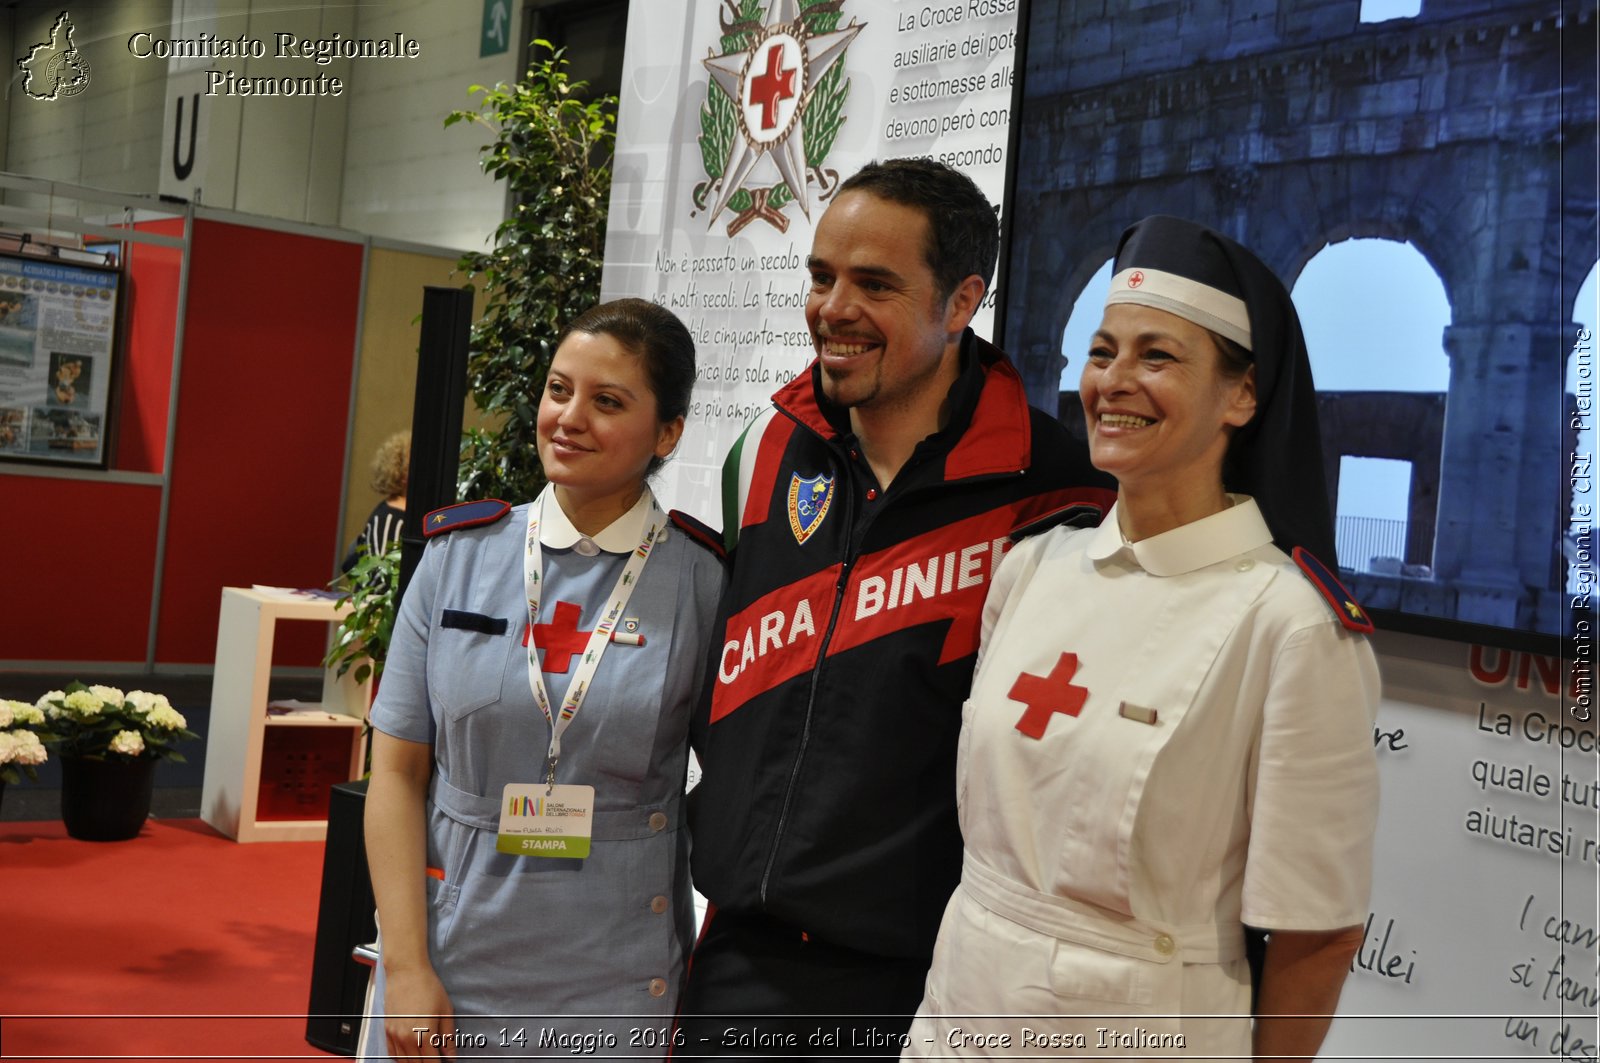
129 742
165 716
26 748
22 712
8 747
49 704
109 695
84 704
7 711
143 701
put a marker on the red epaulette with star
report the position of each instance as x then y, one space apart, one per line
700 532
464 515
1350 614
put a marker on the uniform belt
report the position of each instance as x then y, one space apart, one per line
619 825
1099 928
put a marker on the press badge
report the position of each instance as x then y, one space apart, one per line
541 820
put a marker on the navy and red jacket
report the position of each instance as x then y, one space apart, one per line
847 638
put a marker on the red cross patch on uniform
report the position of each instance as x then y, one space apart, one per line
1047 695
560 639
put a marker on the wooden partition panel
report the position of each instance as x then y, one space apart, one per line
387 383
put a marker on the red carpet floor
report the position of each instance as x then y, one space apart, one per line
179 944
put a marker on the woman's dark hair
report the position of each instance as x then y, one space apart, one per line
1236 358
654 334
1233 361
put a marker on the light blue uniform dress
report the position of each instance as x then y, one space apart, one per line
532 944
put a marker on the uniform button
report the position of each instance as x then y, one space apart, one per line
658 821
658 987
872 493
1165 945
658 905
586 547
1246 565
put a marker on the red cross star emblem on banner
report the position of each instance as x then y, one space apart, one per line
771 83
560 639
1135 279
1048 695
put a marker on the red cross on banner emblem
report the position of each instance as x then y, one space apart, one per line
560 639
771 87
1047 695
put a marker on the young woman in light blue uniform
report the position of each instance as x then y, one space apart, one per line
545 954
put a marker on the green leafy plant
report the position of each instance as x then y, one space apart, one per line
553 150
361 640
103 723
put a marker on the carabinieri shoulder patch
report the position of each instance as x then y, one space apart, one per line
809 499
464 515
1350 614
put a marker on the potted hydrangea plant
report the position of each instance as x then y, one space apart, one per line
22 737
109 743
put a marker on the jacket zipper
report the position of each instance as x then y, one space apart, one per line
811 692
851 556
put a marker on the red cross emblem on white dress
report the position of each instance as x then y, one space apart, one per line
1047 695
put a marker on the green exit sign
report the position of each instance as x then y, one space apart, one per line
496 35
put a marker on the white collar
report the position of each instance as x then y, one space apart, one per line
621 536
1188 547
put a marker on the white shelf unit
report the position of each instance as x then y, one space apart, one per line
238 738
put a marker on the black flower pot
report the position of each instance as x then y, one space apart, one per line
106 800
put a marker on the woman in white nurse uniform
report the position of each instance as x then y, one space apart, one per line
1169 734
530 740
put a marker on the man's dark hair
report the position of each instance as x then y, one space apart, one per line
963 231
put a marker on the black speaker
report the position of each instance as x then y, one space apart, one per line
436 413
344 920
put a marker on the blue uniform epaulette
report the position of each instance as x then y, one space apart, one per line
700 532
1344 604
464 515
1077 515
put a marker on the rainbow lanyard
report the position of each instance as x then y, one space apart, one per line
599 638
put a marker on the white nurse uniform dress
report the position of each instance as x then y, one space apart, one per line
1204 760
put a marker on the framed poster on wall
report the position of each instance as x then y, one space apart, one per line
58 346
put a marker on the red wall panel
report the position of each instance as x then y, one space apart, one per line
263 409
76 578
153 275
